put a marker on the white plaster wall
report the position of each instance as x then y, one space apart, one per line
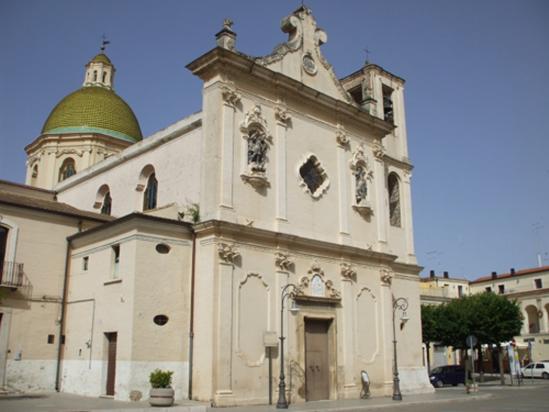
148 284
81 377
31 375
176 162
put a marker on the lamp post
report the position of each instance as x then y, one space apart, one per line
398 304
287 291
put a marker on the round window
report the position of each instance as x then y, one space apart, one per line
160 320
163 248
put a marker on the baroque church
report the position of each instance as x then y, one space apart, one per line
123 254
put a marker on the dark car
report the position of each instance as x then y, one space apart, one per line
447 375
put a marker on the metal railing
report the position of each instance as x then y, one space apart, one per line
12 275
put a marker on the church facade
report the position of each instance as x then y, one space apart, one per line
287 176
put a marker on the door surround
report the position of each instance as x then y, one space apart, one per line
297 371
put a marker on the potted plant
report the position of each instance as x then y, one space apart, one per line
162 393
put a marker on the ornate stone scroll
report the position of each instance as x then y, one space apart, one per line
228 253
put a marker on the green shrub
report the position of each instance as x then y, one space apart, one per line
160 379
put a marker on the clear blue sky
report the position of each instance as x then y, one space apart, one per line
477 96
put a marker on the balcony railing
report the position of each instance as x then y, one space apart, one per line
12 275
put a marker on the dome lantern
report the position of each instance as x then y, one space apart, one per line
100 70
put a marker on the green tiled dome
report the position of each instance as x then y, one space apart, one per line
96 110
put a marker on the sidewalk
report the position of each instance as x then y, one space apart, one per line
358 405
61 402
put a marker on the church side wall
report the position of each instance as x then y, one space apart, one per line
103 300
177 167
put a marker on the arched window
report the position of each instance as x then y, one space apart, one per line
104 76
34 175
95 75
67 169
107 203
394 199
533 319
151 191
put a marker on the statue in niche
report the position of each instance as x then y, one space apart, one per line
257 150
361 184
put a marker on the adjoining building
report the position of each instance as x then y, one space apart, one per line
528 287
288 175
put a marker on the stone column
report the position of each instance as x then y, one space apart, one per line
283 120
343 175
348 276
407 216
386 316
231 100
382 203
224 321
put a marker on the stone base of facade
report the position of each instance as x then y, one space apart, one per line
31 375
83 377
415 380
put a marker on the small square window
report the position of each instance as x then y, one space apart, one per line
85 261
51 339
115 260
488 289
538 283
501 289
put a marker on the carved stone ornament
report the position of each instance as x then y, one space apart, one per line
282 261
228 253
292 26
309 64
282 115
63 152
348 272
378 150
316 285
362 175
254 117
341 136
254 128
386 277
312 176
230 96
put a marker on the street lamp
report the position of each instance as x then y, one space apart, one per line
398 304
287 291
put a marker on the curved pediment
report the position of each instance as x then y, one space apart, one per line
300 56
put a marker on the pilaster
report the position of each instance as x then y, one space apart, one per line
283 120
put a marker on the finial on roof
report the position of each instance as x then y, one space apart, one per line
104 43
228 24
368 52
226 37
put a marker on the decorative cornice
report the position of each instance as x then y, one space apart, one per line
220 59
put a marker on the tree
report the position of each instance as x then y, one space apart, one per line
491 318
430 331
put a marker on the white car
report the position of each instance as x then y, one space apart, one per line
536 370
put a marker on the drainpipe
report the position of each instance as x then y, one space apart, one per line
62 320
191 323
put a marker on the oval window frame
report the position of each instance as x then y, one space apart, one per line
161 320
162 248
